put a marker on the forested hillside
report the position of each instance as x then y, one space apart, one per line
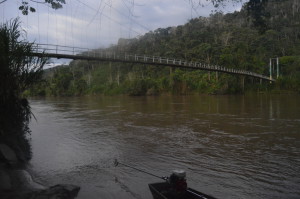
229 40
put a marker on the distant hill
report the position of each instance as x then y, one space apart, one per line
231 40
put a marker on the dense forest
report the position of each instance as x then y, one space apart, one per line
231 40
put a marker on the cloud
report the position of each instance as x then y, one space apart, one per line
94 23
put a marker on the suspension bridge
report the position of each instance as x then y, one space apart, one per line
77 53
76 26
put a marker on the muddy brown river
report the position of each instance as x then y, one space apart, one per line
230 146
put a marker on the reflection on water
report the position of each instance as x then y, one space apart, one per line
230 146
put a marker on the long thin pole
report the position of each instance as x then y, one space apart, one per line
196 194
270 68
277 60
117 163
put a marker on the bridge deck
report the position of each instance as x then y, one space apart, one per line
42 50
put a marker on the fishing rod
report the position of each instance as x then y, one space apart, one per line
116 163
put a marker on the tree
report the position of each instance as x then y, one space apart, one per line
18 72
256 9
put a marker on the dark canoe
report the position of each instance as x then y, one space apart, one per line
162 191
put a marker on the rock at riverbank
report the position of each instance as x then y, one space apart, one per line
16 183
64 191
8 154
5 182
61 191
23 182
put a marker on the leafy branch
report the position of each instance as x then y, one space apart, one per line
26 8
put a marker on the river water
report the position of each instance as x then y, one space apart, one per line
230 146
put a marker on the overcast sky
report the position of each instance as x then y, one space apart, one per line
94 23
99 23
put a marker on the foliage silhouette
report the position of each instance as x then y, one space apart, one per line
18 72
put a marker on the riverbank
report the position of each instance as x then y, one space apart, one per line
16 182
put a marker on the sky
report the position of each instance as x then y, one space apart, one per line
100 23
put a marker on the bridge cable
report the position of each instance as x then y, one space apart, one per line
86 35
48 26
56 28
110 18
193 8
66 19
72 33
38 18
27 26
98 11
109 29
81 34
74 17
131 20
131 11
3 11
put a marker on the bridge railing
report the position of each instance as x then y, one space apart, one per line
98 53
58 49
